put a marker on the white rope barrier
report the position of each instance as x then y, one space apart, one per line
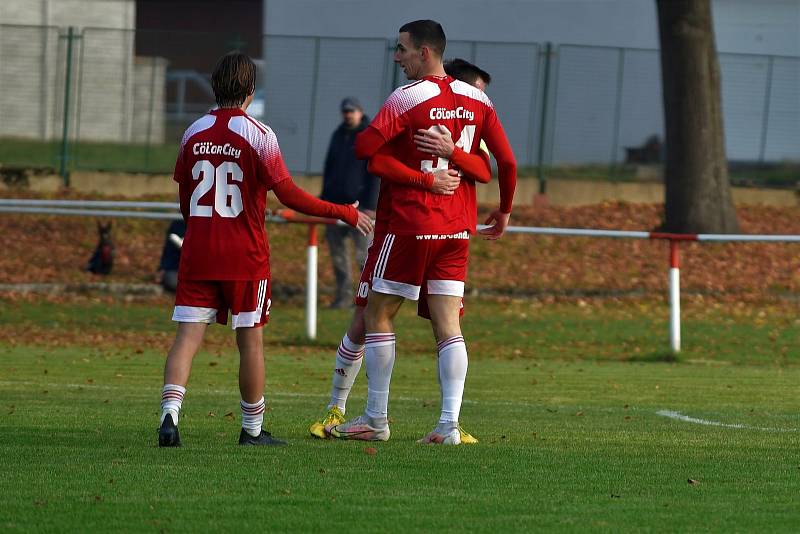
88 203
90 212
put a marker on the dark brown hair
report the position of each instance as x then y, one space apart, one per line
465 71
233 80
428 33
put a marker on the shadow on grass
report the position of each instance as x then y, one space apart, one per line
657 356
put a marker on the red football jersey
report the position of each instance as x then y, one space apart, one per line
227 163
469 116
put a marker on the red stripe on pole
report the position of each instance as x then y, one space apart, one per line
312 235
673 237
674 258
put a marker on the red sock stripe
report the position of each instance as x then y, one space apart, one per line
255 410
379 338
449 341
349 354
172 395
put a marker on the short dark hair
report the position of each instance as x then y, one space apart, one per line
428 33
465 71
234 79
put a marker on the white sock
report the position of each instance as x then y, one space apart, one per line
348 362
171 400
452 375
379 359
253 417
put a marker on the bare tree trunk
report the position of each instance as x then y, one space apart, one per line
698 197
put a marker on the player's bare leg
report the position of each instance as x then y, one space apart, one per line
452 364
187 342
251 387
379 358
445 320
251 363
349 357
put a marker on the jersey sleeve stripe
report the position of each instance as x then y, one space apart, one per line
404 99
257 124
203 123
465 89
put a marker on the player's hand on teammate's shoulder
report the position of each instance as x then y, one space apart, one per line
364 222
436 140
498 222
445 181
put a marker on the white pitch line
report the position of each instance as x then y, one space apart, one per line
688 419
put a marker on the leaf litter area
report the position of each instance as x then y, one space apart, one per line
56 249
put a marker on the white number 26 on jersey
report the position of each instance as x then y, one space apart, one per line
227 196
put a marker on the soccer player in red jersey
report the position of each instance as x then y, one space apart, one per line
427 239
350 353
226 164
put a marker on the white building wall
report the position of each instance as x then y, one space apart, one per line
105 93
588 120
741 26
120 14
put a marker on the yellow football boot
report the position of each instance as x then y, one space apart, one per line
333 417
466 437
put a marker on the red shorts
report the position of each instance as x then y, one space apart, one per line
203 301
365 283
406 262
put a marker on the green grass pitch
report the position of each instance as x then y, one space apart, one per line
564 399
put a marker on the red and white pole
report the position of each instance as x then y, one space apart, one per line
674 297
311 283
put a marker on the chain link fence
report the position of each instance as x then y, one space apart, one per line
115 100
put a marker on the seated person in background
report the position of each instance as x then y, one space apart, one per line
167 274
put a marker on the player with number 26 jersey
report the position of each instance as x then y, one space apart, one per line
227 163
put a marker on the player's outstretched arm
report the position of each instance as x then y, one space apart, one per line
295 198
439 142
498 144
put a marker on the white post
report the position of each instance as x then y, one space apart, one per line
674 298
311 283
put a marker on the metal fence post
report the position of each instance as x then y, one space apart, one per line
765 120
617 111
313 110
150 114
548 49
63 171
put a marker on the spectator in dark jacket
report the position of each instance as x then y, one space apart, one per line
346 180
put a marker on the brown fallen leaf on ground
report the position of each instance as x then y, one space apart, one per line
693 482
